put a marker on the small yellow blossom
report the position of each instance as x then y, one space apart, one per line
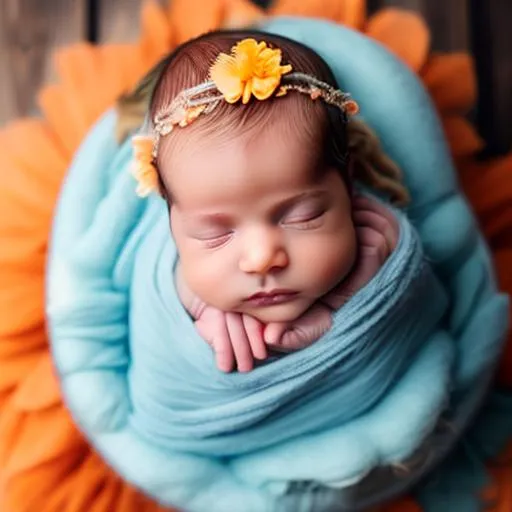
144 170
252 69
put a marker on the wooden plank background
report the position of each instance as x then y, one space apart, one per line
30 30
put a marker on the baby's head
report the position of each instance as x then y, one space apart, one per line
258 193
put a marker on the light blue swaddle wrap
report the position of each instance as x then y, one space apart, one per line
143 386
181 401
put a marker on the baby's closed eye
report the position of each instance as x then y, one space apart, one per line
213 238
304 216
212 231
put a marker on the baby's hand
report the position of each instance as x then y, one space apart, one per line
308 328
377 233
234 337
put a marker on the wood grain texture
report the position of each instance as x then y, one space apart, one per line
30 30
492 47
119 20
501 26
449 24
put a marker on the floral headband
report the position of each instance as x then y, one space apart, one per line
252 69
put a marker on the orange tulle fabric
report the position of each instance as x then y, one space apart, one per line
45 464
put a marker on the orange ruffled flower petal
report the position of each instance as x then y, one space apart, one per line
191 18
400 505
251 69
488 185
462 136
404 33
352 13
500 495
41 388
451 81
241 13
347 12
156 35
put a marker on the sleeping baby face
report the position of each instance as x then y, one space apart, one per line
261 227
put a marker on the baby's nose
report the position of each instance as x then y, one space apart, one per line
263 256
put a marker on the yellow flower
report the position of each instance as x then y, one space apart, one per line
252 68
144 170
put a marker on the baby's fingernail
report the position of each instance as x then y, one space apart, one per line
270 340
224 366
244 368
261 356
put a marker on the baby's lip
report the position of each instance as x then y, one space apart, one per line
272 293
271 298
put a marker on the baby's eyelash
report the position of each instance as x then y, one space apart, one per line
310 224
308 221
217 241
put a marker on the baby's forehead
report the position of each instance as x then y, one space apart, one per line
244 165
283 137
274 147
286 133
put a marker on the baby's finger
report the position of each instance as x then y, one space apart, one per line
372 242
367 266
220 343
273 333
254 332
380 223
239 342
362 203
308 328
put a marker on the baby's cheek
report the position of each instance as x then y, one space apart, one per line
334 258
198 277
205 280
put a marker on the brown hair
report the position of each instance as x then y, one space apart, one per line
334 139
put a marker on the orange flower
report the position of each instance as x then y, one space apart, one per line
144 171
63 473
251 69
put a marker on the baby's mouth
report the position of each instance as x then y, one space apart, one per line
272 297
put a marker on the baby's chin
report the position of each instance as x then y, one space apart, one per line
287 312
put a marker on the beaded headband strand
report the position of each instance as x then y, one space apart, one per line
252 69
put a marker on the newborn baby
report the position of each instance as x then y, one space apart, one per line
271 233
338 246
